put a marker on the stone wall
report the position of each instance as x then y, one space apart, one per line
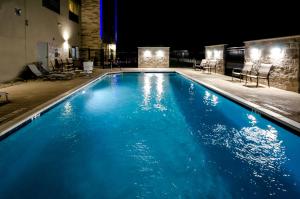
283 53
90 24
216 52
153 57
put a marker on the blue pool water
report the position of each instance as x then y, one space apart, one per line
152 135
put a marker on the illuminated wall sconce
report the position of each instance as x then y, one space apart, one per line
255 54
66 46
276 53
147 54
160 54
66 35
217 54
209 54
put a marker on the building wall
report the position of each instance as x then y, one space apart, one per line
216 52
153 57
19 41
283 53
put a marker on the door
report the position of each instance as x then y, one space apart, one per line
42 53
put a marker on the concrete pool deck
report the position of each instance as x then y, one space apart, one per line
28 97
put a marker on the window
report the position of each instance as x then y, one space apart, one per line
53 5
74 10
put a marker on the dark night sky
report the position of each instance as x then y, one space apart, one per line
190 24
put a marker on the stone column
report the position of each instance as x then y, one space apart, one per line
90 26
216 52
283 53
153 57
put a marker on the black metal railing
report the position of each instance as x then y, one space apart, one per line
127 59
234 58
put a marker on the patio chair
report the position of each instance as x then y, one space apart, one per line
69 65
39 74
241 72
88 67
263 72
212 64
53 66
200 65
47 71
59 63
5 95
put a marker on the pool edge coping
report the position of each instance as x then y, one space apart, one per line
9 127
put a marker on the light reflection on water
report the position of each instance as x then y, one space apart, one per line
252 119
158 92
159 86
114 80
149 170
191 92
67 109
210 99
258 147
147 91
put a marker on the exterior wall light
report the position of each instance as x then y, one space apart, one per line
147 54
255 54
66 46
276 53
209 54
160 54
66 35
217 54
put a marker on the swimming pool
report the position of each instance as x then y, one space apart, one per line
149 135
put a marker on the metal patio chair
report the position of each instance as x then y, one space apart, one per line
263 72
241 72
212 64
200 66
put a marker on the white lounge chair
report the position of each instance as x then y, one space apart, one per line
88 67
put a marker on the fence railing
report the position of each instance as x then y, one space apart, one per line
103 59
